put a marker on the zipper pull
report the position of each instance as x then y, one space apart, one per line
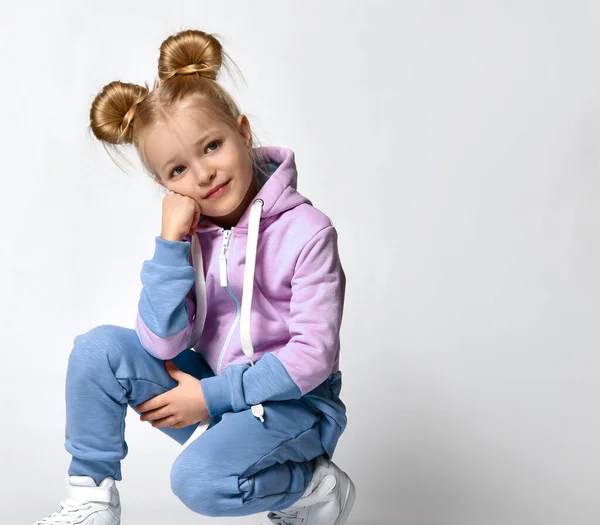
258 412
223 257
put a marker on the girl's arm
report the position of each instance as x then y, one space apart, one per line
166 305
318 289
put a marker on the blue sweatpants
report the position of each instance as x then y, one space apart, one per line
239 466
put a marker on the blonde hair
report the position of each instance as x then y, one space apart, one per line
188 66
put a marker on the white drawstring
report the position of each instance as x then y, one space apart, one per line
247 291
200 284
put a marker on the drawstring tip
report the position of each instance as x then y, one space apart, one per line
258 412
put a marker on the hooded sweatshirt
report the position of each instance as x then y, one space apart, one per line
262 302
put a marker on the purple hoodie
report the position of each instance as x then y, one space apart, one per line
262 302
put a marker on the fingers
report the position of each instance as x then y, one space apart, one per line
196 219
159 413
174 372
154 403
177 209
170 421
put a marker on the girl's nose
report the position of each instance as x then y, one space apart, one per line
205 176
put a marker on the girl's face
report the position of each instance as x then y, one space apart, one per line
192 153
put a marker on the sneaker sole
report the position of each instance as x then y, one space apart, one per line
350 496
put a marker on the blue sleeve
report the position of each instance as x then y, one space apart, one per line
167 279
242 386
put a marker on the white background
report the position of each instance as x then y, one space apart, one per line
456 147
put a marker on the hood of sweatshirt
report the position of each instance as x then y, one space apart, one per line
278 189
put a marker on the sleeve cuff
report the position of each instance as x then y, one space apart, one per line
171 253
224 393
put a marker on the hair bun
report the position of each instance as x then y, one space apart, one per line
113 109
188 52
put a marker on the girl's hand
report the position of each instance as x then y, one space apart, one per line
180 407
180 216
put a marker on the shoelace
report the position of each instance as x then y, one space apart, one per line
285 518
298 516
66 513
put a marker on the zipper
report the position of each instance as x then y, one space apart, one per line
258 411
224 248
225 284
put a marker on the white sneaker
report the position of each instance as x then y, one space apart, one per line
327 500
87 504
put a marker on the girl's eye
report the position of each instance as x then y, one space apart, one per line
215 143
175 170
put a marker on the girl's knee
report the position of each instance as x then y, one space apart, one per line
204 490
102 344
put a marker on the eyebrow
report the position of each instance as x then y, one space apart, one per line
201 139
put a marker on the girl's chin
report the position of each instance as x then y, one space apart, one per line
221 209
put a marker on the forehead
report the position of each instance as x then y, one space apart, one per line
176 131
183 125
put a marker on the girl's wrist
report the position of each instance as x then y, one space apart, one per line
171 237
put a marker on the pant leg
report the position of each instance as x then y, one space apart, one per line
243 466
108 369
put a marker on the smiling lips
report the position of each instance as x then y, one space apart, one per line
215 190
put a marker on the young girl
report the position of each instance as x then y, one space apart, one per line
264 374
